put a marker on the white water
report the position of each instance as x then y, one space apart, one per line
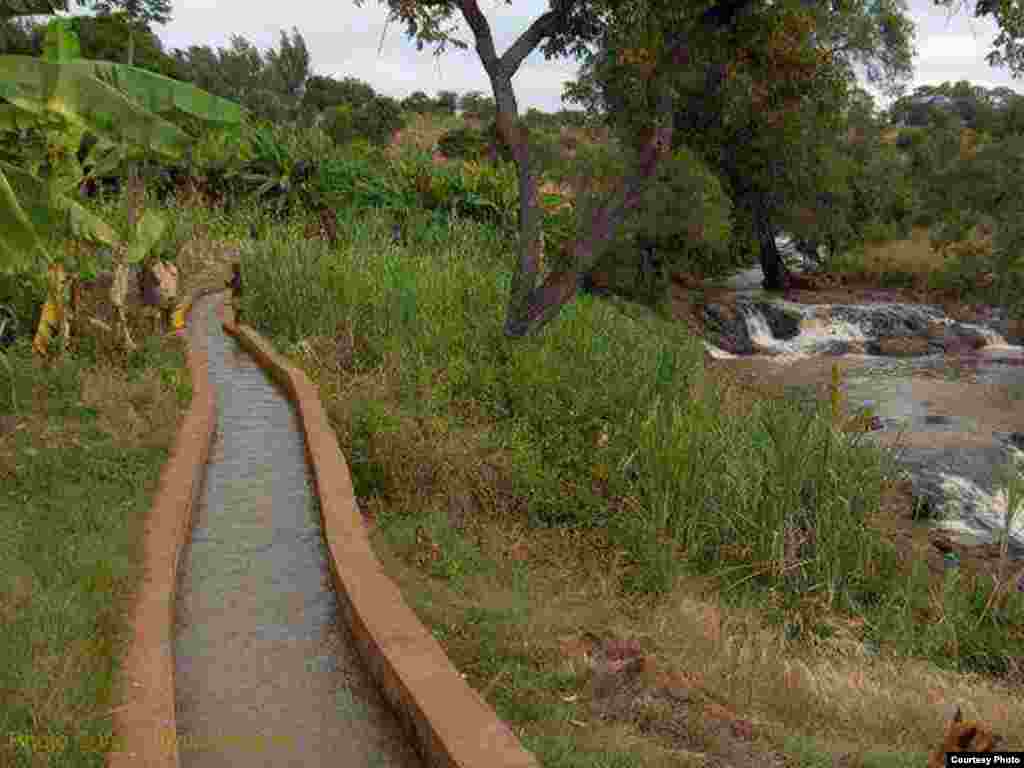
989 509
972 510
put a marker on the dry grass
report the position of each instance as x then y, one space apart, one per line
423 132
205 262
913 255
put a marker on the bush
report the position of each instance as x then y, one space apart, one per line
376 121
878 231
356 178
495 141
462 143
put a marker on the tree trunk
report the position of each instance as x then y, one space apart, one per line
531 305
776 276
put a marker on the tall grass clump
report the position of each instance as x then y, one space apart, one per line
770 496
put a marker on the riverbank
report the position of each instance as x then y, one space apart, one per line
636 559
542 508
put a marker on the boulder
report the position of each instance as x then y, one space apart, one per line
728 328
783 323
959 339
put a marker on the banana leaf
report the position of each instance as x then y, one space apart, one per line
148 231
61 42
54 212
40 87
14 119
20 245
158 94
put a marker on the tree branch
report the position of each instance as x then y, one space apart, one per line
481 32
543 26
530 306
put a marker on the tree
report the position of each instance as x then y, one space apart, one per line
679 37
270 86
287 70
569 26
447 101
324 91
767 131
15 8
141 13
418 102
104 38
476 105
1007 50
231 73
20 37
375 120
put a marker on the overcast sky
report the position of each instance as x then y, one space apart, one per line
345 41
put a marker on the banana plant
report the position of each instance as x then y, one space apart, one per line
64 97
274 170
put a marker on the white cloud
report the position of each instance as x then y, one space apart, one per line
939 47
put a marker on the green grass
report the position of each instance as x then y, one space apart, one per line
601 446
74 491
776 478
763 497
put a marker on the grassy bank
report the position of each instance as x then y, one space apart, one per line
596 480
539 502
82 443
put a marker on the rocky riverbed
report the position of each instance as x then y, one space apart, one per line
945 383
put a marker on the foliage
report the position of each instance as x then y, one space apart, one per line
484 192
476 105
464 142
324 91
339 123
353 178
287 70
770 130
105 38
447 101
418 102
538 121
148 11
376 120
269 85
279 164
685 205
496 144
64 97
985 189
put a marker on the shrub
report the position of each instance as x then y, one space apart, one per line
495 142
375 120
356 178
462 143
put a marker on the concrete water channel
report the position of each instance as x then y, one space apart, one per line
266 673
